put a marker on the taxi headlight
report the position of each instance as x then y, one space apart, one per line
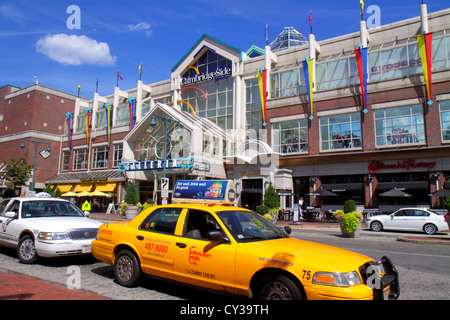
337 279
53 236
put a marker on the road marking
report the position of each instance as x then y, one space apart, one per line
398 252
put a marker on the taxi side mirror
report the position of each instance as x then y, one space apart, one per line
216 236
288 230
10 214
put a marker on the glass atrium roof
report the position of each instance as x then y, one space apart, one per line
288 38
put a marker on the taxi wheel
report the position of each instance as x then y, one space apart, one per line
126 269
277 287
26 251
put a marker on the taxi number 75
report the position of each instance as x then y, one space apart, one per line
156 247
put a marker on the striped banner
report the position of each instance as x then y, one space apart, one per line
308 72
88 121
108 122
361 61
262 80
425 50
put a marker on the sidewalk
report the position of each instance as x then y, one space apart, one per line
16 286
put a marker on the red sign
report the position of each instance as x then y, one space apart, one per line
405 164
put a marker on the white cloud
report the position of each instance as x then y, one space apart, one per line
75 50
141 27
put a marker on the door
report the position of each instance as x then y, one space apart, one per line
155 240
201 262
398 220
417 219
10 225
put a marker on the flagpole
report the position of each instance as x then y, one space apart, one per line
96 86
117 78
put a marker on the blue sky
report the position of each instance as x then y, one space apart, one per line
119 35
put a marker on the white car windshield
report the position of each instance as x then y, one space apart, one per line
45 208
248 226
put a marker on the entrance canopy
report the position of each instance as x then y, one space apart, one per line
179 137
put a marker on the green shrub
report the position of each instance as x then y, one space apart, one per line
262 209
349 206
349 222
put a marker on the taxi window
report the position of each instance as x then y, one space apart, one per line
162 220
199 223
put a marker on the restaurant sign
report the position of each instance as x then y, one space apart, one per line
375 166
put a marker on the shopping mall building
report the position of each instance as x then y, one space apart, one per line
312 129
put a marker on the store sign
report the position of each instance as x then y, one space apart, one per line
405 164
155 164
219 73
201 190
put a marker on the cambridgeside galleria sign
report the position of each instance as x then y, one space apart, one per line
219 73
375 166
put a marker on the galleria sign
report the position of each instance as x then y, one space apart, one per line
405 164
219 73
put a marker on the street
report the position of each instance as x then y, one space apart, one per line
423 268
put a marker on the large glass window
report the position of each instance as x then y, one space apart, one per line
118 151
80 159
290 136
81 123
123 113
342 131
445 120
211 98
338 73
253 115
287 83
100 157
399 126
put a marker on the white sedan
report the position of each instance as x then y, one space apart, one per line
45 227
409 219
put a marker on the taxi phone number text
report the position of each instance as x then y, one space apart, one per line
156 247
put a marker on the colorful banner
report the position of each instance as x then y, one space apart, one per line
108 122
69 129
262 80
308 72
88 121
361 61
131 105
425 45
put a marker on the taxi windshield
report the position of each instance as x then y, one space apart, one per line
249 226
43 208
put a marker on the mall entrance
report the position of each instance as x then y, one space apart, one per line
252 193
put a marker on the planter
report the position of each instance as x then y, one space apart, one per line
354 234
131 212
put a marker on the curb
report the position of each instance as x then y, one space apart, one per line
443 241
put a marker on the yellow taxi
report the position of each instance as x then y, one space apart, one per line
237 251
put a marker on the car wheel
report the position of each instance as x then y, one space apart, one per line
126 269
26 251
277 287
376 226
429 228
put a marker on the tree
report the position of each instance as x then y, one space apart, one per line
17 171
271 199
132 195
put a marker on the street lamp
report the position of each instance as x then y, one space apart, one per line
36 143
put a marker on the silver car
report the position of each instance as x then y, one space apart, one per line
409 219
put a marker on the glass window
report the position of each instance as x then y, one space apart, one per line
118 151
162 220
210 98
123 114
65 160
337 73
199 223
80 159
81 123
399 126
100 118
445 120
341 131
254 119
290 136
100 157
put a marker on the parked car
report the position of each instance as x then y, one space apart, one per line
237 251
45 227
409 219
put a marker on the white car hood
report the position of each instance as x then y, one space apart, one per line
60 224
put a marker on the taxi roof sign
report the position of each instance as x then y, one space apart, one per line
205 192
